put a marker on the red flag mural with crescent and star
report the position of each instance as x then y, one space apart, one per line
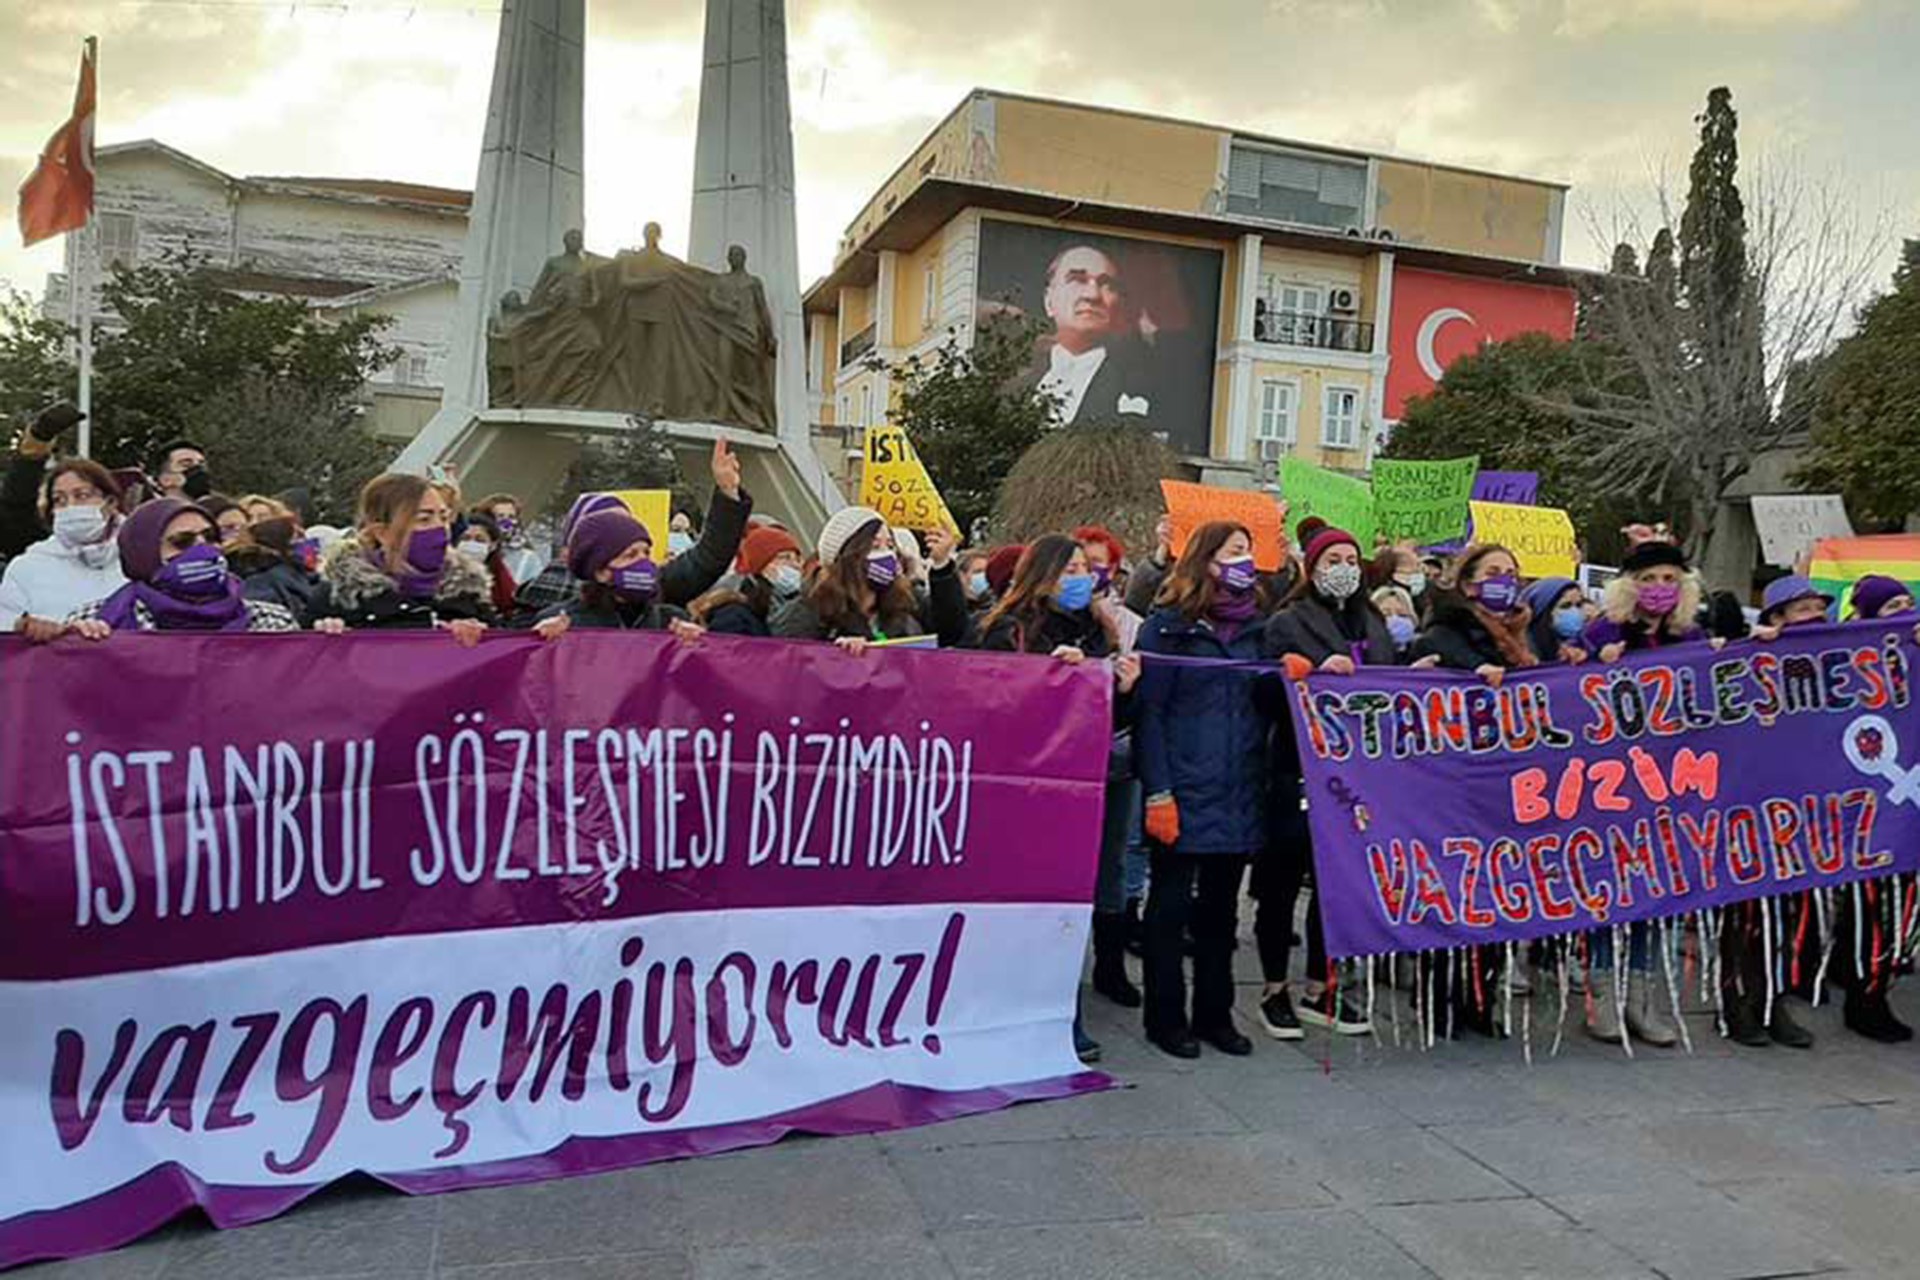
1438 317
58 195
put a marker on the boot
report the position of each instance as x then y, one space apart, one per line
1743 1020
1869 1015
1136 932
1110 960
1784 1030
1603 1013
1647 1017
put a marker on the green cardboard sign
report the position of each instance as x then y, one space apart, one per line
1424 502
1342 501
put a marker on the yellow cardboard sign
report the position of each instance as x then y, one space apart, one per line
894 482
1541 538
652 508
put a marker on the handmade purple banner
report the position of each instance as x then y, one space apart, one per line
278 909
1518 488
1446 813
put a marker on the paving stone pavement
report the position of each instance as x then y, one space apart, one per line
1327 1159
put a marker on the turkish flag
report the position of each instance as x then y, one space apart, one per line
58 195
1439 317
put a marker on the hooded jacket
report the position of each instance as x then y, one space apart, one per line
52 580
353 588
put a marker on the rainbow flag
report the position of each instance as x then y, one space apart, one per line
1840 562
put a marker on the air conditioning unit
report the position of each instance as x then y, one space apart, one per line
1343 301
1272 450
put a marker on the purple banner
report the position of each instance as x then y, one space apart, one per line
276 909
1447 813
1520 488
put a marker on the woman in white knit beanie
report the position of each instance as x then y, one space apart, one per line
860 592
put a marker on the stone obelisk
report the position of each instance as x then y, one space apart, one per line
743 194
527 195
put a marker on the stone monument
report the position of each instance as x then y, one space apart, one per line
551 347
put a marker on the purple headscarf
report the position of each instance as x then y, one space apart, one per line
139 540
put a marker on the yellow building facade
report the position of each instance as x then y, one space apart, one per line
1243 283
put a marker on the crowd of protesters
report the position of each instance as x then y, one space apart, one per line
1204 796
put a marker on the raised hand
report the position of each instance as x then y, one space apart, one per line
726 470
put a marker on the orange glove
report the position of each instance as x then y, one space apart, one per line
1296 666
1163 820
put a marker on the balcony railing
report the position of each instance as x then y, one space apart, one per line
856 347
1305 329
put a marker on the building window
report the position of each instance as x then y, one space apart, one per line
1292 186
1279 405
119 239
930 298
1340 418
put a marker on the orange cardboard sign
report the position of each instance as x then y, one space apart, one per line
1192 505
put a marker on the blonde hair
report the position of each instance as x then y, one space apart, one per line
390 501
276 509
1621 599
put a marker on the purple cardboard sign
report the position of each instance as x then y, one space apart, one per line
278 909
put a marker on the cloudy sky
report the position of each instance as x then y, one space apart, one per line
1599 93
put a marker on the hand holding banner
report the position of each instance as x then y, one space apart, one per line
1191 505
1541 538
894 482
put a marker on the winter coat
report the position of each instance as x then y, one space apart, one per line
261 616
942 613
355 590
20 525
1462 642
52 580
1199 734
730 614
267 575
1080 629
683 579
1637 635
1311 628
607 614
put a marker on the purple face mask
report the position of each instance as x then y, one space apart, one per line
198 573
427 549
882 568
1238 576
637 582
1659 598
1499 593
1102 578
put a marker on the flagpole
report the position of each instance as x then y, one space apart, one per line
78 241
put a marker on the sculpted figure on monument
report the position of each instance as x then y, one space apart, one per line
641 332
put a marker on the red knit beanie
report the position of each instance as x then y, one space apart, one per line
1325 541
761 545
1000 567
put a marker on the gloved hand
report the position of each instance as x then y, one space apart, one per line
1163 820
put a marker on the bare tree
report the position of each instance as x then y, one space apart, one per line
1700 356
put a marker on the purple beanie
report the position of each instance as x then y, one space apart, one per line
598 540
140 535
1871 593
583 506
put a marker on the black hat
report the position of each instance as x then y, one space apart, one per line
1645 555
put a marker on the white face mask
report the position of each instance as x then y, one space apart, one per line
784 579
1415 583
1337 581
79 526
476 550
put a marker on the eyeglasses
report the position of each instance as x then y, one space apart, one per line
185 540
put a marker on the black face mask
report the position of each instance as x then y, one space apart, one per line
196 483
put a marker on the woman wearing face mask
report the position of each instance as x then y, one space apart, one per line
1654 602
1400 566
1326 624
75 567
1480 625
769 566
480 540
177 580
1048 609
400 571
611 554
1200 750
1559 614
859 593
1395 604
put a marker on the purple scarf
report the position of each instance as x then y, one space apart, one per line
409 583
1232 610
226 612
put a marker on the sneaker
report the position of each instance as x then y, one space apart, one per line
1085 1047
1345 1020
1277 1016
